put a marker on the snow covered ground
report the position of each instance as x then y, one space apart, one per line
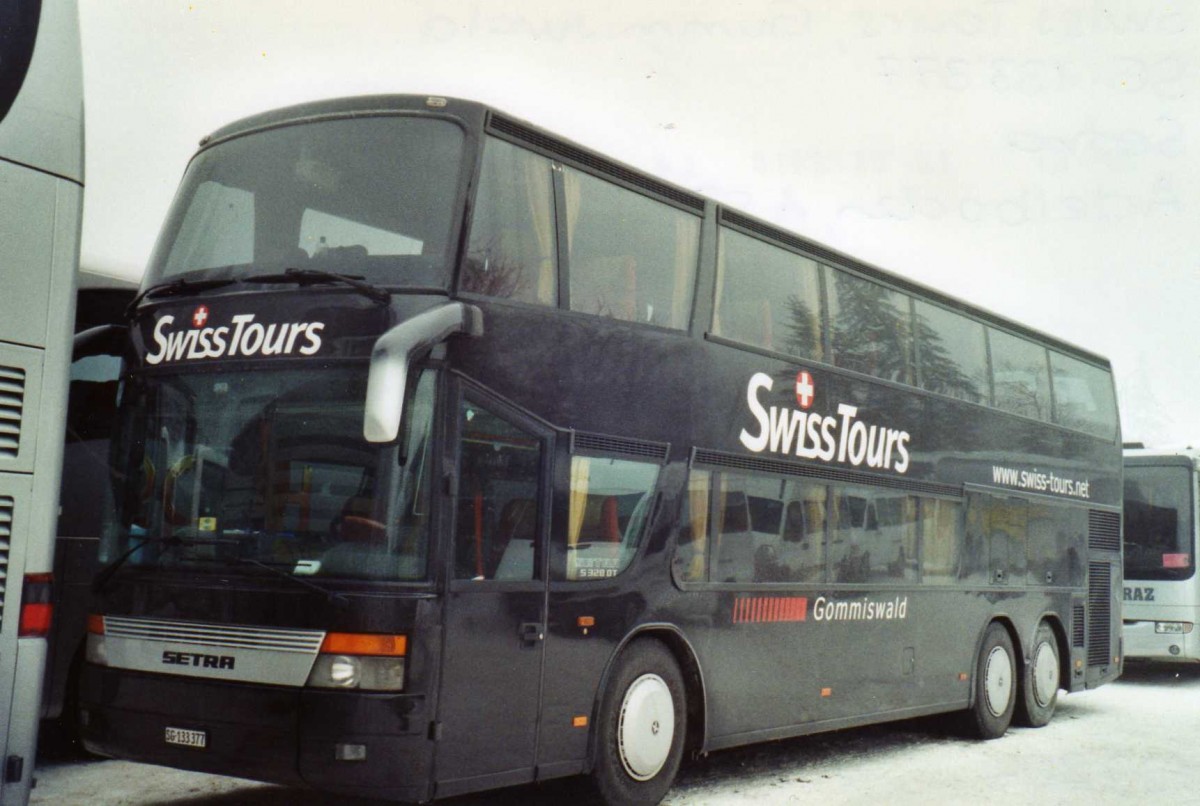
1121 743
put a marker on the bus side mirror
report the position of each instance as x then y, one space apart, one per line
395 350
100 340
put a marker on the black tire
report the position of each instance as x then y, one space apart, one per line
1039 686
995 685
634 706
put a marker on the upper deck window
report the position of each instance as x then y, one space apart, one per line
630 257
952 353
1083 396
512 248
872 328
768 297
369 197
1020 375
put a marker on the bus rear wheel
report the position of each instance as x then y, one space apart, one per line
641 727
1039 689
995 685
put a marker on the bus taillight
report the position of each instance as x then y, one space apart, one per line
363 661
37 609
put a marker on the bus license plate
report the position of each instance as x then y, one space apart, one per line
187 738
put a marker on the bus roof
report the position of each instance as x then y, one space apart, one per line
477 115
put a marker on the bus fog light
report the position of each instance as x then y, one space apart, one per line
343 671
365 673
96 651
1172 627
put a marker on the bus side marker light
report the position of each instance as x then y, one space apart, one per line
579 722
585 622
343 643
962 677
95 624
37 610
350 752
826 692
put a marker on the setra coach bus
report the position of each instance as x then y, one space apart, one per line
453 455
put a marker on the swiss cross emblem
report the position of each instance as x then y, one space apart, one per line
200 316
804 389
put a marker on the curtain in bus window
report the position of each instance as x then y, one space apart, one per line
1020 376
872 332
951 353
500 467
610 505
630 257
767 297
580 470
691 552
1083 396
511 249
942 537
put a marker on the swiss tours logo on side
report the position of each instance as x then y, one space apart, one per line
242 336
825 437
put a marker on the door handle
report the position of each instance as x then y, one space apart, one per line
531 633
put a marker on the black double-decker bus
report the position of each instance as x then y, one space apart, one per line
453 455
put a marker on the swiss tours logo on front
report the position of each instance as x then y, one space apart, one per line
241 337
840 437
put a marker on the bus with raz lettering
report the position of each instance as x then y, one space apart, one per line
1161 593
455 455
41 208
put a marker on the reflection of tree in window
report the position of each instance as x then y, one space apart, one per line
871 331
952 353
1020 375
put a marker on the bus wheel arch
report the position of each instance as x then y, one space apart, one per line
1042 674
995 681
654 665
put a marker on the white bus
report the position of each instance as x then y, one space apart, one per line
1161 590
41 198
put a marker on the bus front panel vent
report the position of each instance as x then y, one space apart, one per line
6 531
1078 626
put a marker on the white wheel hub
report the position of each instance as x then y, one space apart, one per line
1045 674
997 680
647 727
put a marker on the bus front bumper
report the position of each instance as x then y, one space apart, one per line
1143 642
362 744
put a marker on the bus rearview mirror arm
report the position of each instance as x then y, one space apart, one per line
395 350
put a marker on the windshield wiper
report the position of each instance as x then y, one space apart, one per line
315 276
106 573
336 599
174 288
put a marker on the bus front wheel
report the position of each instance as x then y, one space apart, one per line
995 685
1039 689
641 727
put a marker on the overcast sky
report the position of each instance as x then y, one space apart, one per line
1040 159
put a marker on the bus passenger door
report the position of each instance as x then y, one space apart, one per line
495 610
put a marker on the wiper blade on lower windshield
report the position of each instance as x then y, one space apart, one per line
105 574
314 276
330 596
174 288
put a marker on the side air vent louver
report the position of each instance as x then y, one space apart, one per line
1104 531
559 148
12 405
602 443
1078 627
6 525
1099 643
755 464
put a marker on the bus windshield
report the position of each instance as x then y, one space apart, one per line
218 469
369 197
1158 523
